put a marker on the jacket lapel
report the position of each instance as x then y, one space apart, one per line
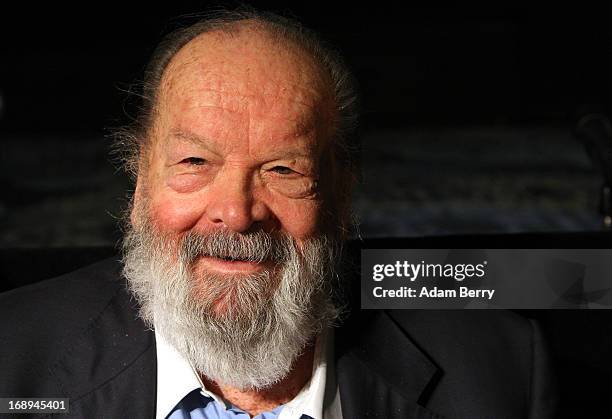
381 373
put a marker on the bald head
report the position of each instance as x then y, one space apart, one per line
250 58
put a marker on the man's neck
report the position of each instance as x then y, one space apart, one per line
255 402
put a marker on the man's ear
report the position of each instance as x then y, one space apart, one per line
336 193
141 169
136 197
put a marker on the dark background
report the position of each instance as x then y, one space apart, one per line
467 125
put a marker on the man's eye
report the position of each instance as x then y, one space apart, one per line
282 170
197 161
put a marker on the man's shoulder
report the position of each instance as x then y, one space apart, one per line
443 358
471 336
81 288
473 325
446 336
448 325
73 334
51 310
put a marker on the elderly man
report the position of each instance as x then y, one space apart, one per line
244 164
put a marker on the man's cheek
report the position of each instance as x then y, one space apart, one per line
300 218
187 182
176 215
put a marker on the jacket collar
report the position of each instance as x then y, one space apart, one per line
381 372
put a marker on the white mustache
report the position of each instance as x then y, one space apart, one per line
257 247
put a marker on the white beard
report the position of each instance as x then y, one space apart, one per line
265 321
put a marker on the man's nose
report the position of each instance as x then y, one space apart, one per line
234 204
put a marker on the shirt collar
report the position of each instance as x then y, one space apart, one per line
309 401
176 378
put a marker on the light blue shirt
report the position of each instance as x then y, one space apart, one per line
196 405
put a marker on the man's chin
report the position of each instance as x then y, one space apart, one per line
225 306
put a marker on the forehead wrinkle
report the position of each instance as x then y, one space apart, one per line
302 126
302 113
257 132
282 92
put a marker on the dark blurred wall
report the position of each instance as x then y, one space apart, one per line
63 68
467 113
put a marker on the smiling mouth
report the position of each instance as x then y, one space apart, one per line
230 258
232 264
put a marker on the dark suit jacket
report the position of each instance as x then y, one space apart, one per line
78 336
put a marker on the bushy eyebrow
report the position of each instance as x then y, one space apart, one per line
291 155
190 137
194 139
